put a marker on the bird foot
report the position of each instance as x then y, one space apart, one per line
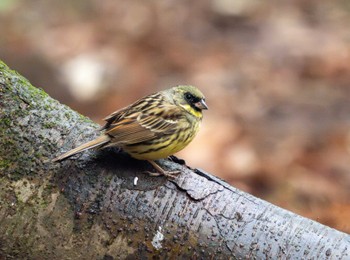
168 174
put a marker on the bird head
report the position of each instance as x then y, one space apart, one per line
190 98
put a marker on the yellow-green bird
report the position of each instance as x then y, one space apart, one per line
154 127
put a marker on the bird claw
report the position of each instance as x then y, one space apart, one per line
153 174
171 174
168 174
161 171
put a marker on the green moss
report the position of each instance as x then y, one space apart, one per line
4 164
3 65
85 119
20 86
37 154
27 115
37 92
68 115
49 125
5 122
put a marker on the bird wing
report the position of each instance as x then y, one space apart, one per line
130 126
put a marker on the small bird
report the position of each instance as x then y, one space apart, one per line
154 127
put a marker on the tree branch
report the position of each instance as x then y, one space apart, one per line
88 207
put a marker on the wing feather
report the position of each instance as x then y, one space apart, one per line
153 122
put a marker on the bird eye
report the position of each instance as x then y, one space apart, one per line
189 96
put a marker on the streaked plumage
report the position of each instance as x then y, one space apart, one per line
153 127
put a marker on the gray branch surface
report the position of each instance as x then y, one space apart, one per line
88 207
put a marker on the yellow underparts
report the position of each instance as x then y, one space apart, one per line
165 147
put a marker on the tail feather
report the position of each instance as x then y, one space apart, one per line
99 141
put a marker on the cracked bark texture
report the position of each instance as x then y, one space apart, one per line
88 207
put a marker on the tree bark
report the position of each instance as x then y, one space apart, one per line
92 207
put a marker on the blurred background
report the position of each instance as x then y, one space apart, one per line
276 75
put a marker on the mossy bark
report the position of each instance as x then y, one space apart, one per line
89 207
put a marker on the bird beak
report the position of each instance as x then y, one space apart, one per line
201 104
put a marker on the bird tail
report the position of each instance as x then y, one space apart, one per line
99 141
